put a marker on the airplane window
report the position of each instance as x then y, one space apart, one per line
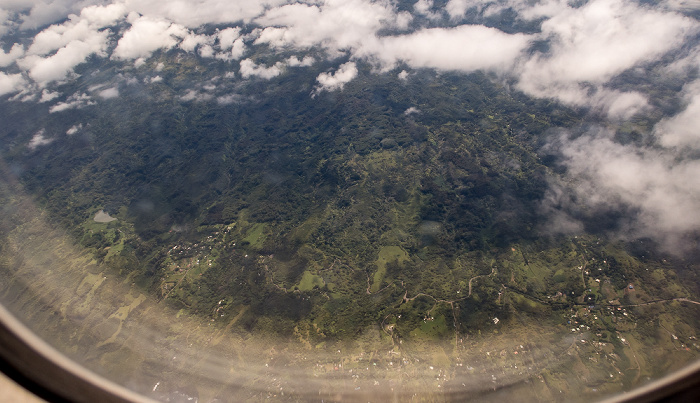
324 200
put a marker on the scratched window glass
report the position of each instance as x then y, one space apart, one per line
359 199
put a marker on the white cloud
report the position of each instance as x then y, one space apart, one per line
35 14
590 43
249 69
147 35
606 37
191 41
235 52
8 58
75 29
683 129
193 13
45 12
622 105
230 99
10 83
39 140
411 111
5 22
207 51
75 101
96 87
333 81
58 49
48 96
74 129
456 8
464 48
227 37
109 93
593 43
655 182
294 61
193 95
334 24
425 8
26 95
60 65
103 16
617 105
